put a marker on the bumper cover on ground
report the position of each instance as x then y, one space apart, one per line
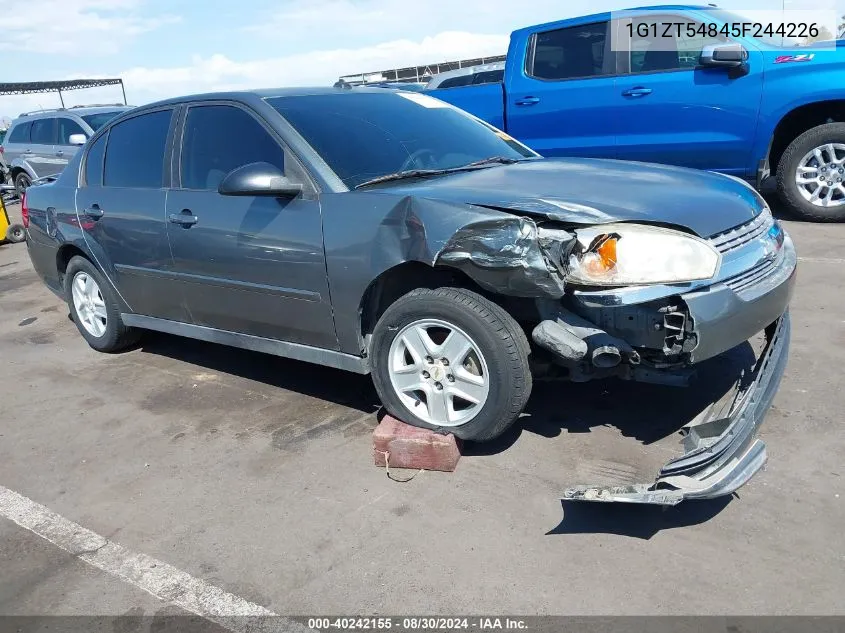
722 454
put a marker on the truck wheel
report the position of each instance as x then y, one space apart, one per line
16 233
22 182
94 308
811 174
451 361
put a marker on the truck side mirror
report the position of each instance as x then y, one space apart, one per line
723 56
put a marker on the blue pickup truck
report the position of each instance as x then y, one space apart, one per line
744 106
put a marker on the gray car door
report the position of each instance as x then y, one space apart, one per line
253 265
41 153
120 207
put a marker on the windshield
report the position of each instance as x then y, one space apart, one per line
367 135
98 120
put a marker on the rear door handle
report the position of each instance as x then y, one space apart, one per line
186 218
637 92
94 212
527 101
60 153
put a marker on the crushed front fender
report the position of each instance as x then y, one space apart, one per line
721 453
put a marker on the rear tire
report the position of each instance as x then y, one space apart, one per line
22 183
787 175
108 334
16 234
497 356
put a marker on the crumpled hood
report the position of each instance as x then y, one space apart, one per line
593 191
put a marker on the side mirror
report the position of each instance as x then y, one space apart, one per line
723 56
258 179
77 139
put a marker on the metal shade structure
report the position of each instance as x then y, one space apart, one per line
414 73
34 87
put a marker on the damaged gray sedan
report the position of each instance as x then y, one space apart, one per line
389 233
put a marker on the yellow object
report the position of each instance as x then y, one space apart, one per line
9 232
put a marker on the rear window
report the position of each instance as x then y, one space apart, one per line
454 82
96 121
570 53
20 133
135 151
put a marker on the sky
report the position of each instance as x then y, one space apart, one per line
163 48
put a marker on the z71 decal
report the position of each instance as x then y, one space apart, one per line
785 59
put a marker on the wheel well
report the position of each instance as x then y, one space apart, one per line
65 254
799 121
400 280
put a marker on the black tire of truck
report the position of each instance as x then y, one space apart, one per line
498 337
16 234
787 184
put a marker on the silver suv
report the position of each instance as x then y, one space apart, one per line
41 143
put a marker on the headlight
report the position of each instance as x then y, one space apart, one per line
631 254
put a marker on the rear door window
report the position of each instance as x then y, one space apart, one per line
571 53
66 128
94 162
220 138
135 151
21 133
43 132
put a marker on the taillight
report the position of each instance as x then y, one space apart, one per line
24 211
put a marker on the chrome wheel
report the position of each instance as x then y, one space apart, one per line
438 372
89 304
820 176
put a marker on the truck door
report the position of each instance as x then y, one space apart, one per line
558 100
671 110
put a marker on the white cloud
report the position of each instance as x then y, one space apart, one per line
219 72
76 26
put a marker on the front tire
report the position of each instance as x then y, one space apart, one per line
22 183
811 174
451 361
94 308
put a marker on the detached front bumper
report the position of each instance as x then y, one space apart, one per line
722 454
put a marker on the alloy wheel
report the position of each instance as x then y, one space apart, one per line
820 175
89 304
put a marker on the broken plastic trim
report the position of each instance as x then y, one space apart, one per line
511 256
722 454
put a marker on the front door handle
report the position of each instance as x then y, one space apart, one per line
94 212
186 218
637 92
527 101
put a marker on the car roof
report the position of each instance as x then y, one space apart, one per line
77 110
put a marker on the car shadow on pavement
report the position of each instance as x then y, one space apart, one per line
341 387
634 520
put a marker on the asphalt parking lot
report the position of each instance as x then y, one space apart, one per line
254 475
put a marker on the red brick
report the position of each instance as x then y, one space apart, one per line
411 447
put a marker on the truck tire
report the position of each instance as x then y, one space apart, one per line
451 361
817 153
22 182
94 308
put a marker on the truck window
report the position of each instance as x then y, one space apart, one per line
488 77
570 53
680 51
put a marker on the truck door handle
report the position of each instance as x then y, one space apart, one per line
186 218
527 101
637 92
94 212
